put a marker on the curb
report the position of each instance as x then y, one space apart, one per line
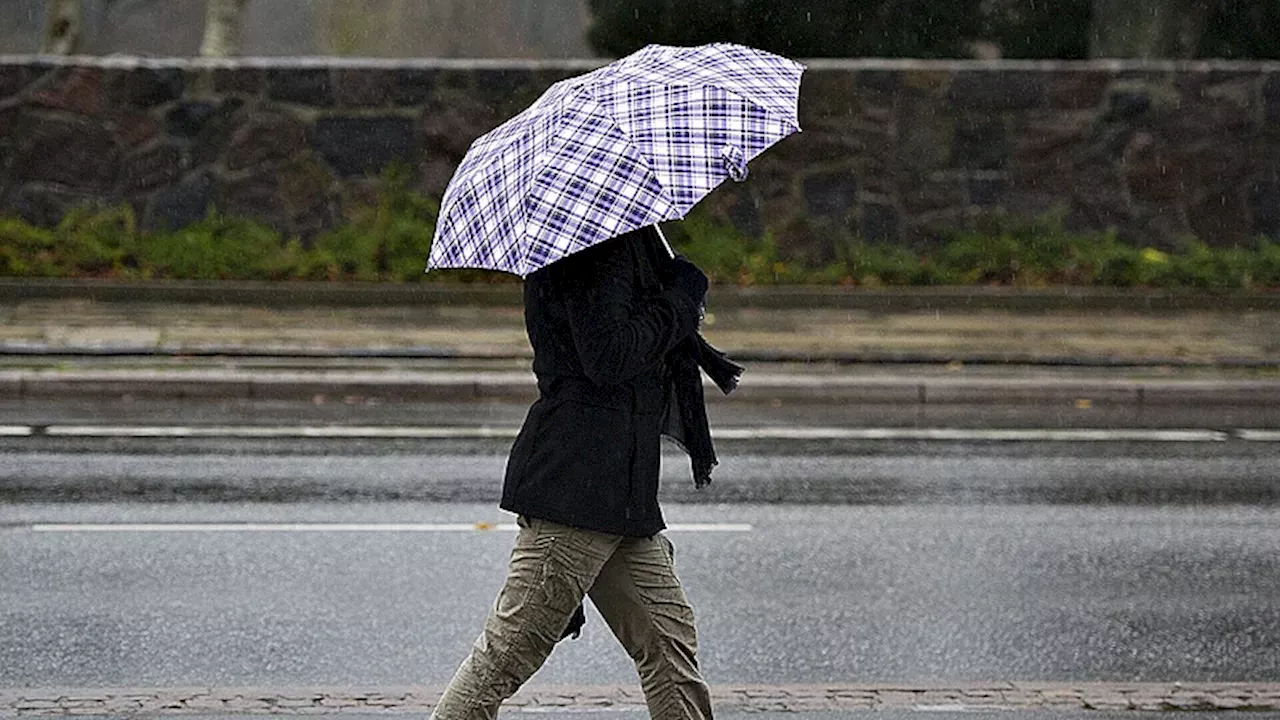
46 351
510 294
520 387
742 698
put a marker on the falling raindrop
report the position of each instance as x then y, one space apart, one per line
808 16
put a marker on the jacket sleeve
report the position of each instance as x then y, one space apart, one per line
617 334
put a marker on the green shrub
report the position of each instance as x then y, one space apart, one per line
218 248
26 250
389 240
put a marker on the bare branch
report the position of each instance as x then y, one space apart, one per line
223 20
63 28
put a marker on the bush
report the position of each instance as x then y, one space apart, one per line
390 240
218 248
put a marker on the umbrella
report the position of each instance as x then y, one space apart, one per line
634 143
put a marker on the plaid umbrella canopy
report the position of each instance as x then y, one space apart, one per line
631 144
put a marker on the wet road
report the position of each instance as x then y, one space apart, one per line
805 454
871 556
807 594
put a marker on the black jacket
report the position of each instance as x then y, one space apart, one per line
601 324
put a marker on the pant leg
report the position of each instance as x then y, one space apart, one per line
551 568
641 599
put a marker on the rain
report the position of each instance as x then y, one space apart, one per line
804 358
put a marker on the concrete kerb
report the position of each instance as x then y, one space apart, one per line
741 698
519 387
318 294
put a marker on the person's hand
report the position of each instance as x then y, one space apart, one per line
687 279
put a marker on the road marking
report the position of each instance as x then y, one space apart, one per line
1259 435
730 433
305 431
958 434
332 527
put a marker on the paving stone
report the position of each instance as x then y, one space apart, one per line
302 86
365 145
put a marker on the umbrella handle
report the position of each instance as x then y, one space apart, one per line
665 244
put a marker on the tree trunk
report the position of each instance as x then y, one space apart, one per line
222 28
63 28
1148 28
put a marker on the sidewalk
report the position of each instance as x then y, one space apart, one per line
151 702
469 344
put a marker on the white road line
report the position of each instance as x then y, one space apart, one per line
331 527
950 434
306 431
15 430
740 433
1259 435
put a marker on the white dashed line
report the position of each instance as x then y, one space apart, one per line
955 435
331 527
1259 435
730 433
251 431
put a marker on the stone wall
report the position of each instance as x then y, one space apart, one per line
894 151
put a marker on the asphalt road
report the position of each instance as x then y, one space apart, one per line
807 594
231 451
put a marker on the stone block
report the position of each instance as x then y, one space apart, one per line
215 132
265 136
828 98
925 195
738 205
301 86
830 193
1128 104
188 119
987 191
239 81
499 85
997 91
293 198
449 126
888 82
1271 97
45 205
1150 171
180 205
77 90
925 134
880 223
136 128
75 152
980 144
1077 90
256 196
1221 219
1264 206
412 86
360 88
152 168
145 87
16 78
365 145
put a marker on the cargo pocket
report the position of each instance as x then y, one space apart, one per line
558 588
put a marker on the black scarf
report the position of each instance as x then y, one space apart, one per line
686 421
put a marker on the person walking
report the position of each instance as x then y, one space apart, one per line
616 354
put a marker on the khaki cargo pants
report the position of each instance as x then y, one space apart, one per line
631 581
